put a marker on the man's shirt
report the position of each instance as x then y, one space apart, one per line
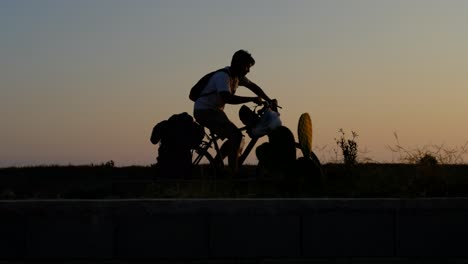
219 82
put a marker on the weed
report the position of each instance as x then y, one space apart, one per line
109 164
428 159
429 154
349 147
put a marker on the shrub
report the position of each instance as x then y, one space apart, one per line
429 154
349 147
428 159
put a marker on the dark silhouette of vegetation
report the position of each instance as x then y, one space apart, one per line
429 154
348 146
428 159
101 181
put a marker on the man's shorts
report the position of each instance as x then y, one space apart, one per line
217 121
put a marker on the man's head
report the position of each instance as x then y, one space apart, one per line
241 62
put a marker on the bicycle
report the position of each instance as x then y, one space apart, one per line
215 164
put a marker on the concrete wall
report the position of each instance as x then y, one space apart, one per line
250 228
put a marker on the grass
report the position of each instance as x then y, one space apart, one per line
361 180
428 171
437 153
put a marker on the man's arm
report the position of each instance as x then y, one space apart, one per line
257 90
235 99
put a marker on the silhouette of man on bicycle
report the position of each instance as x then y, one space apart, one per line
220 90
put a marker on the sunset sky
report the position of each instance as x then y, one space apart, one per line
85 81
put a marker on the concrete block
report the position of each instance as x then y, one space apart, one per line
162 236
69 236
12 235
255 236
348 234
432 234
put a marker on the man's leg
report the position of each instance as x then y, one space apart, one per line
226 149
231 147
219 123
234 143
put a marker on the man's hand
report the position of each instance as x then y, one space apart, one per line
274 103
257 100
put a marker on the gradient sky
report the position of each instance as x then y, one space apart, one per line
85 81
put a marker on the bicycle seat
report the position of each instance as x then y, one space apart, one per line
212 134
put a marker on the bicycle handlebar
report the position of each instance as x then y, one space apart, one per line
270 104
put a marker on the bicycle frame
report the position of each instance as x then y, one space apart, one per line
202 150
247 150
213 141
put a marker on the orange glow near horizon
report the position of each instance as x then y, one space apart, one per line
85 82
